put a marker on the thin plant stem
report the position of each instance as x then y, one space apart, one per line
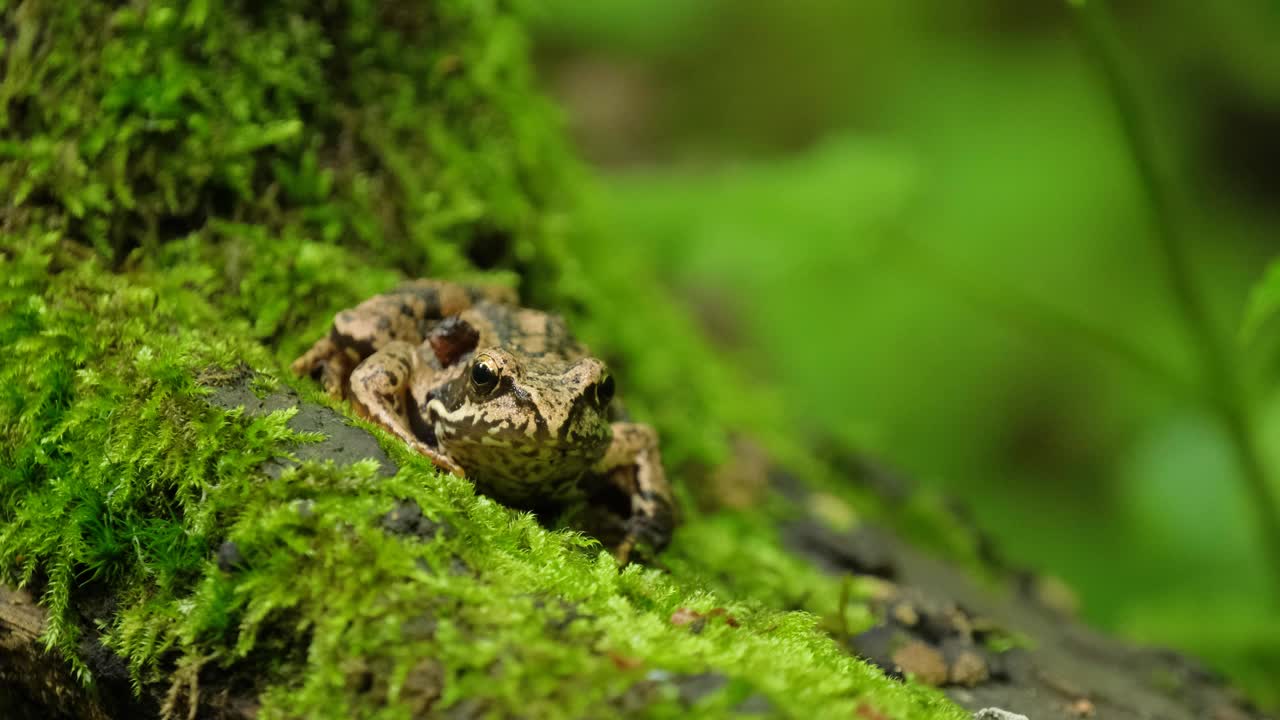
1224 384
846 590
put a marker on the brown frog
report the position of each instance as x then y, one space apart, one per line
498 393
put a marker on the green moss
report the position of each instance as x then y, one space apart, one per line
118 473
241 171
408 131
714 550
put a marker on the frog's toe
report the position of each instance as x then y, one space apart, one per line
646 536
439 459
327 363
311 363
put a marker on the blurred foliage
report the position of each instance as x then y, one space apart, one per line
1264 303
922 221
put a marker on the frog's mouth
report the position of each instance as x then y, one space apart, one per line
494 449
521 472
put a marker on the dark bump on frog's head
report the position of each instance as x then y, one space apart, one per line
427 294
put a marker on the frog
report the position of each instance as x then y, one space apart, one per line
503 395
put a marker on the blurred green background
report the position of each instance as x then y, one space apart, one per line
921 221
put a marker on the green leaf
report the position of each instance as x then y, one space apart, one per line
1263 303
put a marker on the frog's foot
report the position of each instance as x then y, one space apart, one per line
329 363
635 465
379 392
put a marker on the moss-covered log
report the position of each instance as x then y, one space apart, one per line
191 190
127 486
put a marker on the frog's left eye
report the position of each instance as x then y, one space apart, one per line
484 375
603 391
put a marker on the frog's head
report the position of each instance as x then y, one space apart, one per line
521 421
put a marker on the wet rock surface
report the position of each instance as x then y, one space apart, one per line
687 690
997 714
407 519
1006 653
864 551
343 443
229 557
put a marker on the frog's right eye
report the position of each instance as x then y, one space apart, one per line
484 375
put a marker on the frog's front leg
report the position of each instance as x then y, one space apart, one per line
379 393
635 464
329 363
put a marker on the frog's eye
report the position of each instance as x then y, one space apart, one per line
484 375
603 391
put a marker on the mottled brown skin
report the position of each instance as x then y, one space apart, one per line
498 393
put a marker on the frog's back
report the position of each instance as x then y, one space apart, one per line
531 332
